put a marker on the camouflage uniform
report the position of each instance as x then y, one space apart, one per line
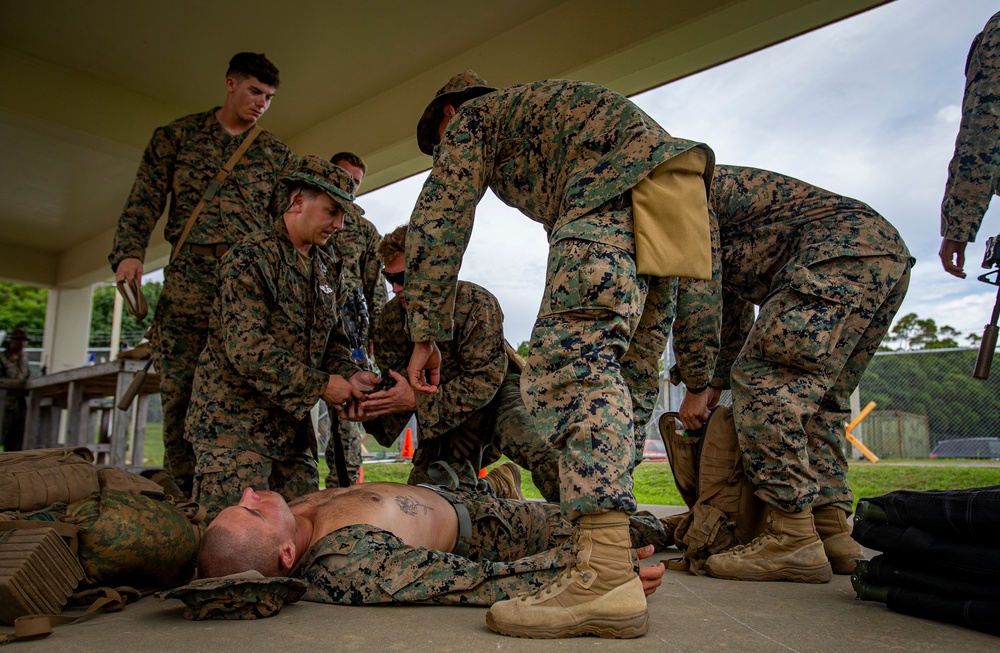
829 274
353 249
179 162
974 171
566 154
478 412
15 407
514 546
274 341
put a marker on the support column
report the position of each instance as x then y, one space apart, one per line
67 328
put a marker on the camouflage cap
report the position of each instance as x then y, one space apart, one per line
327 177
460 88
247 595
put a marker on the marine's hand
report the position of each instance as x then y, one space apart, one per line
339 391
364 381
952 255
695 406
651 577
129 269
424 370
397 399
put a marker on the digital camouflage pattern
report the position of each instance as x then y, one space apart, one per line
829 274
178 164
353 248
974 171
564 153
247 595
515 546
275 338
478 412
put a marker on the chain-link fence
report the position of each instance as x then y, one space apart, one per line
926 397
922 398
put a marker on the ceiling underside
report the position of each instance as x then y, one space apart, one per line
86 82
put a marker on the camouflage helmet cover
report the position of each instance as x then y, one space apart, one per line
327 177
248 595
460 88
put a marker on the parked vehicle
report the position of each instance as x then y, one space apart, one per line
968 448
654 451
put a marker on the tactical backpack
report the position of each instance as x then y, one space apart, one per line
707 465
37 478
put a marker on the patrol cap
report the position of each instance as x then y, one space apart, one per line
327 177
459 89
247 595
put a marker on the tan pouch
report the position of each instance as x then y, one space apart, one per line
670 210
37 478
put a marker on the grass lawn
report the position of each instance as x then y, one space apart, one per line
655 484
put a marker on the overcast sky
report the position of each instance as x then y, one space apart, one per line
868 108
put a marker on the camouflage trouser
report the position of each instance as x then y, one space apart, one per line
520 442
591 378
350 435
222 474
180 333
503 427
508 529
792 382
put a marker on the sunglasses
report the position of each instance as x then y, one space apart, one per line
394 277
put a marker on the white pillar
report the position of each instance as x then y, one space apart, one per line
67 328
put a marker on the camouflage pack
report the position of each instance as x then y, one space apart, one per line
707 465
37 478
134 539
247 595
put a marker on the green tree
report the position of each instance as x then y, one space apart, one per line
103 310
522 349
23 306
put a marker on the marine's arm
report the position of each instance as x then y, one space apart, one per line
975 166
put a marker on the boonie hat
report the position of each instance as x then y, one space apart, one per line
329 178
247 595
18 333
459 89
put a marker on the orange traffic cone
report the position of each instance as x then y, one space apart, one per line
407 450
361 474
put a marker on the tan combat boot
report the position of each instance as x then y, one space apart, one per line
841 549
599 595
505 480
788 549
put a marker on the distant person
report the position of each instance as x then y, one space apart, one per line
828 274
354 249
974 171
393 543
178 167
275 348
14 365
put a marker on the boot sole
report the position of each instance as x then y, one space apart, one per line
606 628
818 574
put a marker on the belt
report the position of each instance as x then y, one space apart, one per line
216 250
462 545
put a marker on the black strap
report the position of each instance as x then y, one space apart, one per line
339 456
